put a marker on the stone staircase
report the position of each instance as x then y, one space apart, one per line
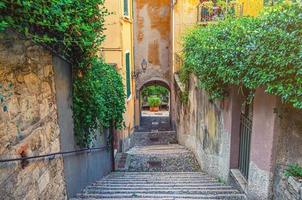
159 185
156 167
156 152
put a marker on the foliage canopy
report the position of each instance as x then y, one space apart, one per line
156 90
74 29
265 51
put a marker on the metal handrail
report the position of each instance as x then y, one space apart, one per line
52 156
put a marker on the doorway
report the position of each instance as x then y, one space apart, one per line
155 108
245 138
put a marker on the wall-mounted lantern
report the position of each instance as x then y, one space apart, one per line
137 73
144 65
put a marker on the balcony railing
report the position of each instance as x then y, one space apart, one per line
212 11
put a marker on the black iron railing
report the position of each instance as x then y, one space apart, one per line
52 156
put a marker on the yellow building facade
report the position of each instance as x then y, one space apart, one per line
185 15
117 49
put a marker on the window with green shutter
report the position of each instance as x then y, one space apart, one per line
126 7
128 75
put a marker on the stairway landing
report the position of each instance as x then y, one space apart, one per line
158 158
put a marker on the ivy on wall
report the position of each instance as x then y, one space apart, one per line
74 29
98 101
265 51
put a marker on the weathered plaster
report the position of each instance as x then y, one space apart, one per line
200 127
259 183
152 39
118 42
263 130
152 32
289 148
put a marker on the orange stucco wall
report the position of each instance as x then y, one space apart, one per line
152 41
119 41
152 38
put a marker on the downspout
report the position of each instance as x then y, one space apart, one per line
172 91
133 63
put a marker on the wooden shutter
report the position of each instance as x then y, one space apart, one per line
126 7
128 75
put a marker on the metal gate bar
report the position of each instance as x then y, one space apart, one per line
245 143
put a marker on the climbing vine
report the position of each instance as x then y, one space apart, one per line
265 51
98 101
74 29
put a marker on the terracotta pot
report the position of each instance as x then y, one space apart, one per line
154 109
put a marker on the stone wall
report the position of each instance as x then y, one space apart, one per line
28 122
200 126
212 131
79 169
289 189
288 151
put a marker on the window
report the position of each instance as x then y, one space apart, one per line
128 75
126 8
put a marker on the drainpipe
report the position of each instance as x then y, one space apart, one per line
133 65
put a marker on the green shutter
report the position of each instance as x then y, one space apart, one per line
126 7
128 75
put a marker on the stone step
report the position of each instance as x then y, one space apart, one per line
238 197
159 178
162 196
162 191
205 184
148 175
161 158
154 177
153 138
156 187
155 181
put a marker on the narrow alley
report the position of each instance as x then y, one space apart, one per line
150 99
156 167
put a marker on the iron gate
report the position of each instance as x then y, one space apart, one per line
245 143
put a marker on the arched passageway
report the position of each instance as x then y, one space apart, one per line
155 106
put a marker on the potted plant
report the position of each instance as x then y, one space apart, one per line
154 103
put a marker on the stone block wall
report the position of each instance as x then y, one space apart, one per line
28 122
200 127
288 151
290 189
212 131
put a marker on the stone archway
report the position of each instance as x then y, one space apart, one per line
155 81
163 117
